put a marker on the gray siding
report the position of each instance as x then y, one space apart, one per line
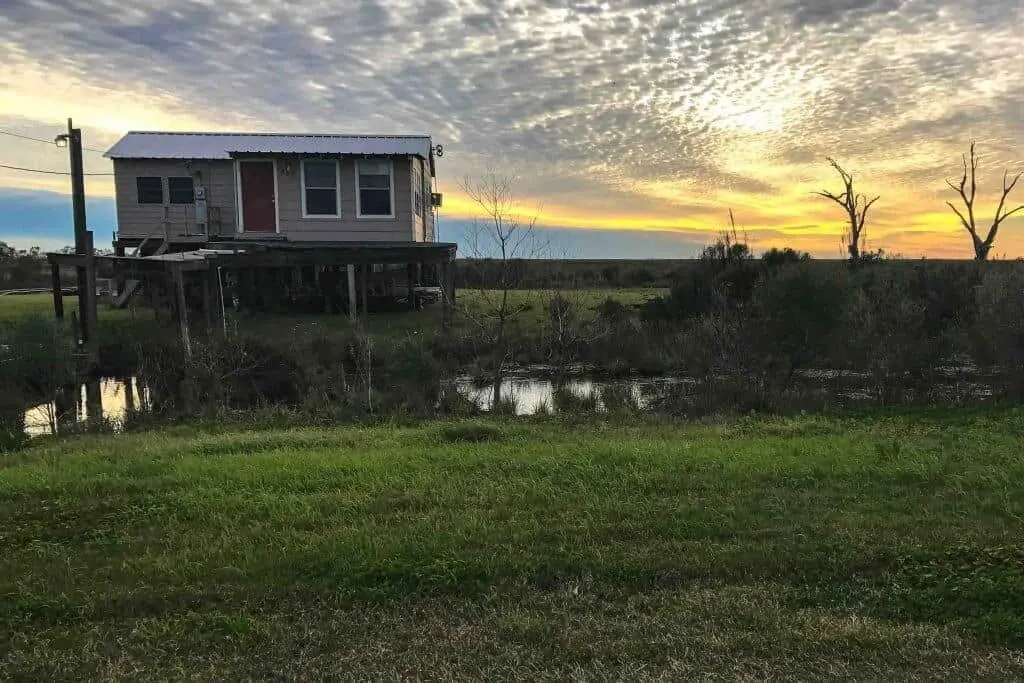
417 182
137 220
218 177
429 235
348 227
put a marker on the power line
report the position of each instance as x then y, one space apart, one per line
39 170
39 139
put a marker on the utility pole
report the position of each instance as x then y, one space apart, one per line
83 238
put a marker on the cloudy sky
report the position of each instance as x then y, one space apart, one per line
634 124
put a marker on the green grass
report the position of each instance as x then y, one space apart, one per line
16 306
887 547
474 303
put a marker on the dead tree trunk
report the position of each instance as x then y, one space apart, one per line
856 207
968 190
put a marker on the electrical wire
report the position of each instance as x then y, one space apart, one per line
39 170
39 139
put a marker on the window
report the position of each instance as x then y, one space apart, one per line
151 190
180 191
374 182
320 188
417 202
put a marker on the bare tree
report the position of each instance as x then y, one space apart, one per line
981 246
856 207
504 236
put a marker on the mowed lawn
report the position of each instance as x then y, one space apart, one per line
887 547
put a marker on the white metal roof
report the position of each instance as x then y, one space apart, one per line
156 145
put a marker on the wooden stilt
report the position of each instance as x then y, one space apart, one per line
364 286
87 296
208 288
179 288
352 311
451 281
121 282
445 294
217 322
58 291
410 272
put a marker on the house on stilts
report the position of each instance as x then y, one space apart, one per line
328 221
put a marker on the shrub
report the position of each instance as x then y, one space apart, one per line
885 336
774 259
997 333
794 317
36 356
563 330
723 278
610 274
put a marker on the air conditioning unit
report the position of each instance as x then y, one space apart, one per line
435 199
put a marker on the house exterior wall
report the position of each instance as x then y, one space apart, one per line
429 231
138 220
349 227
418 224
219 180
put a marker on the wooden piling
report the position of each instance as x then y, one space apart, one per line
411 283
352 312
58 290
181 305
364 278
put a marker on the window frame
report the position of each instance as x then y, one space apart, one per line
170 195
391 190
138 194
337 189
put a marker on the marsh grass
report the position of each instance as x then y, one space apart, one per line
882 547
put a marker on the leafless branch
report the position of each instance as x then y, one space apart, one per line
856 208
508 235
982 247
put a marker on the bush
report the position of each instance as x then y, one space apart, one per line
885 336
773 259
997 333
723 278
794 318
563 330
36 358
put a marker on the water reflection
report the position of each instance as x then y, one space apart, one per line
107 400
525 393
530 395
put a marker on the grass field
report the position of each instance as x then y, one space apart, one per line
474 303
16 306
887 547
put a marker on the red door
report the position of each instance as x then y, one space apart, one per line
259 213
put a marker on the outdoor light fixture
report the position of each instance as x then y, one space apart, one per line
61 140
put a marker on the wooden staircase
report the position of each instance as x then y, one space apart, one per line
133 286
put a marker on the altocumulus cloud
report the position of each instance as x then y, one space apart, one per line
632 107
